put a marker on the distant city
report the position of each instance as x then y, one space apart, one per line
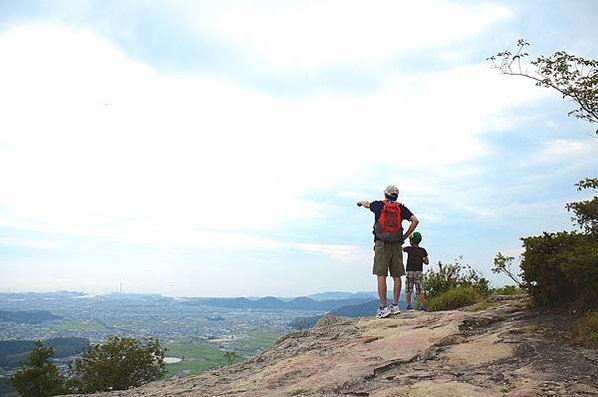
95 317
196 331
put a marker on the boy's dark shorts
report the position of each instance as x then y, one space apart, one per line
388 257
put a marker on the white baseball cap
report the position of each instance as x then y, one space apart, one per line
391 190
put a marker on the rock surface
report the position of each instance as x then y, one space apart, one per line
502 351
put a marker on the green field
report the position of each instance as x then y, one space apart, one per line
191 367
78 326
198 357
190 350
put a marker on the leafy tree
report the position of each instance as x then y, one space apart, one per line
38 377
502 264
560 267
586 212
576 78
118 364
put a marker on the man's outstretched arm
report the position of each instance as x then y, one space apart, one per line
414 222
365 204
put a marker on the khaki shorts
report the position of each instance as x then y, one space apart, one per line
388 257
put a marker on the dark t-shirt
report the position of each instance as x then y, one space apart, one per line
415 258
376 208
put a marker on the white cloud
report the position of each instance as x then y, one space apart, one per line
314 34
35 244
343 253
567 152
97 144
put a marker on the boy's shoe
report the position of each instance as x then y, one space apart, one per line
422 309
383 312
409 307
394 309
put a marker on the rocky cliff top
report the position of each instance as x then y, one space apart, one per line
501 351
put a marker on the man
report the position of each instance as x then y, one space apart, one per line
388 241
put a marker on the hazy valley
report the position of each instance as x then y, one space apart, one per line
196 331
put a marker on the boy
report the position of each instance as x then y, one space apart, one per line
416 257
388 255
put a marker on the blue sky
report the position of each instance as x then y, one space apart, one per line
218 148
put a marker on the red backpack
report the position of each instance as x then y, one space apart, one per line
388 228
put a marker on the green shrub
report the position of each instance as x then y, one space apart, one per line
586 331
443 279
561 267
508 290
454 298
453 275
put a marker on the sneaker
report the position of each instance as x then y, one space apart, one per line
394 309
422 309
383 312
409 307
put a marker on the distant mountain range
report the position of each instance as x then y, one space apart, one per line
42 295
320 296
272 303
339 295
322 302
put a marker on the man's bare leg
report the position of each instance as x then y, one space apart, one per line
382 290
396 292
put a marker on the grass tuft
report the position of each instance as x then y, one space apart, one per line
508 290
454 298
586 331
